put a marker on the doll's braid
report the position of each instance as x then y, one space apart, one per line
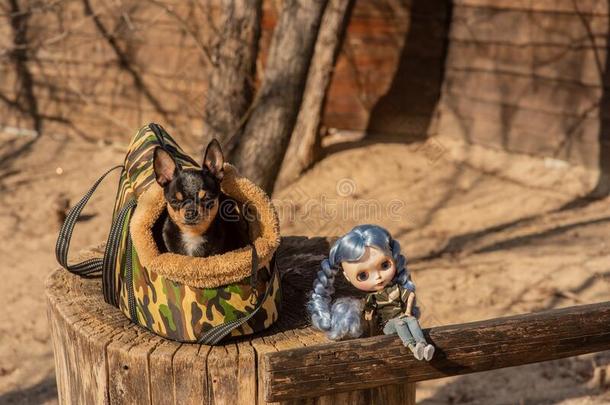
343 317
340 320
321 296
403 277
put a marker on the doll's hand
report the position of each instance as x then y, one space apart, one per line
368 315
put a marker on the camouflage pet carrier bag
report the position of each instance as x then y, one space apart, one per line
188 299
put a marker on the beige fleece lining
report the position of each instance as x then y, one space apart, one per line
212 271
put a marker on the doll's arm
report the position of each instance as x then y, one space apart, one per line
410 302
369 307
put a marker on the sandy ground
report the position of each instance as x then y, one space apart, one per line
483 230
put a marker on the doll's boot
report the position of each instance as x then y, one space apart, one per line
418 350
428 352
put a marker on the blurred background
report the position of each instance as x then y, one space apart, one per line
476 131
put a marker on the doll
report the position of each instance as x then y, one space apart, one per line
371 261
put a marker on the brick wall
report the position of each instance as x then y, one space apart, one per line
102 68
528 76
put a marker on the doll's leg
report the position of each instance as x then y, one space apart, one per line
399 326
415 329
428 350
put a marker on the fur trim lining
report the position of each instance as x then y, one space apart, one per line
212 271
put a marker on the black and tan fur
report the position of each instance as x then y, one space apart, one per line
193 225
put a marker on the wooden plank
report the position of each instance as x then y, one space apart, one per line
520 130
571 65
510 111
309 337
475 113
82 325
232 374
223 363
246 374
66 315
551 6
60 354
461 349
518 27
283 340
553 102
92 337
360 397
54 63
161 372
394 394
524 76
128 373
261 348
522 140
190 374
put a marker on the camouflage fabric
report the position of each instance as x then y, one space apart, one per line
389 303
168 308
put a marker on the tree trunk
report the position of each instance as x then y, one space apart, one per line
25 99
304 147
602 188
260 151
231 81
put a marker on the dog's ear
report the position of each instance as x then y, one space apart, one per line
165 166
213 159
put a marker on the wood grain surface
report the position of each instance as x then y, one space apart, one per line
100 357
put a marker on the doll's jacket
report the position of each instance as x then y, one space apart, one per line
389 303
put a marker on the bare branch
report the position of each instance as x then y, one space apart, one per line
125 62
203 48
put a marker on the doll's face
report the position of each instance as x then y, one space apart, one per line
373 272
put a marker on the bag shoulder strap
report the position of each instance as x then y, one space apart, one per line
217 333
62 246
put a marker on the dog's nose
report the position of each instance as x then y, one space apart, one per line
190 214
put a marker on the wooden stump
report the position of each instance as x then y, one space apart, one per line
100 357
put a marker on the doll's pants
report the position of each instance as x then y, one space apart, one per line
407 328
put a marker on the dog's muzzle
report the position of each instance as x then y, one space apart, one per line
191 215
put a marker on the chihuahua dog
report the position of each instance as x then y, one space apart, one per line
193 225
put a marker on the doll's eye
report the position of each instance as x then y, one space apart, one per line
386 265
362 276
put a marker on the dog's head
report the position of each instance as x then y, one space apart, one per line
191 194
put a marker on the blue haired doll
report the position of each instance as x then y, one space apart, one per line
371 261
